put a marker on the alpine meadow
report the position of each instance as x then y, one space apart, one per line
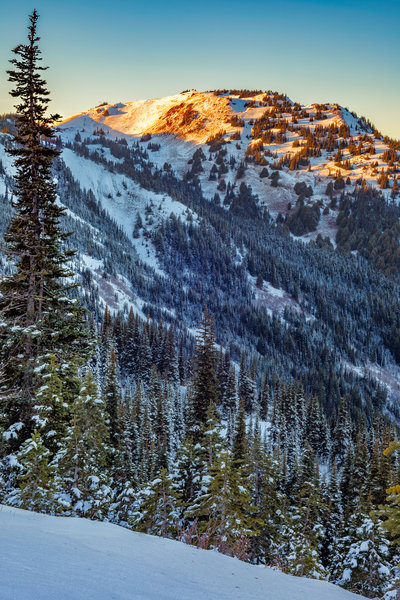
199 341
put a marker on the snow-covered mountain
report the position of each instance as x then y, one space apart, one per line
46 557
207 198
262 132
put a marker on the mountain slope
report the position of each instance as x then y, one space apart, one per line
47 557
169 216
243 136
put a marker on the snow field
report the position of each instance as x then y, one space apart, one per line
61 558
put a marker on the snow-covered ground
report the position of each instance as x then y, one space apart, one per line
59 558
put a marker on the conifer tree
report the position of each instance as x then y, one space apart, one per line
276 428
157 508
365 567
205 383
178 418
230 399
391 510
240 442
144 361
181 364
123 466
360 472
303 531
213 440
264 398
378 477
222 372
147 445
36 489
246 386
347 489
129 354
313 430
162 430
112 396
269 502
82 462
224 510
342 433
332 517
38 315
51 412
189 472
170 364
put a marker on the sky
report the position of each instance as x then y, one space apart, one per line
344 51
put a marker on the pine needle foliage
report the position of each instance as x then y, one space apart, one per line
39 316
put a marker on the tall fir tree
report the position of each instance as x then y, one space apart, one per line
82 462
205 382
39 316
112 396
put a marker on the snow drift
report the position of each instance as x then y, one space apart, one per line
43 558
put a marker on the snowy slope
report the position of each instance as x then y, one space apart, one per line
182 123
47 558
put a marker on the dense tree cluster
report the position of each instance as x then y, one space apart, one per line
198 463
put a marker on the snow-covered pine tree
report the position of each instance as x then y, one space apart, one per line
277 429
147 442
81 464
361 473
269 503
378 480
39 316
314 432
162 430
129 356
303 531
342 433
222 372
37 487
240 442
246 386
365 567
178 419
332 518
144 360
188 472
205 383
157 507
51 411
264 398
169 367
347 489
123 469
112 396
223 510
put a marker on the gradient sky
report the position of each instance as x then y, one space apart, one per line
344 51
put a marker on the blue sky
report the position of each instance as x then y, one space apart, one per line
344 51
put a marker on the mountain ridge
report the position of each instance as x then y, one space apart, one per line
248 139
